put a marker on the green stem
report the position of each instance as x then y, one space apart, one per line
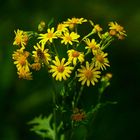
91 33
55 49
87 35
71 134
101 90
54 109
79 95
107 43
54 115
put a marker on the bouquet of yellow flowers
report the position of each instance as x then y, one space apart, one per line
73 60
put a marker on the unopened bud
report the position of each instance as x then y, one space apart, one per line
112 32
41 26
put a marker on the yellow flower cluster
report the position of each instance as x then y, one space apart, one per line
117 30
64 51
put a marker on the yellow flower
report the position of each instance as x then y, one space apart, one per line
61 28
21 38
69 38
73 21
116 29
17 54
88 74
92 45
116 26
23 73
41 54
60 69
121 37
100 60
21 61
98 28
76 20
74 56
36 66
49 36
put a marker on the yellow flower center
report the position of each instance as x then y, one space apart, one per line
74 20
60 68
98 28
71 25
60 27
25 39
75 54
68 38
18 40
22 60
40 54
88 74
49 35
92 46
100 58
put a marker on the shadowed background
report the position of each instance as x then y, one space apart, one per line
21 100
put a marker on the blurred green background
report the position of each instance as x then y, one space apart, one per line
21 101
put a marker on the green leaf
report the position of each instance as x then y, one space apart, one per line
42 127
50 22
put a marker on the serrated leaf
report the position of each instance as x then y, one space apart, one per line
42 127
